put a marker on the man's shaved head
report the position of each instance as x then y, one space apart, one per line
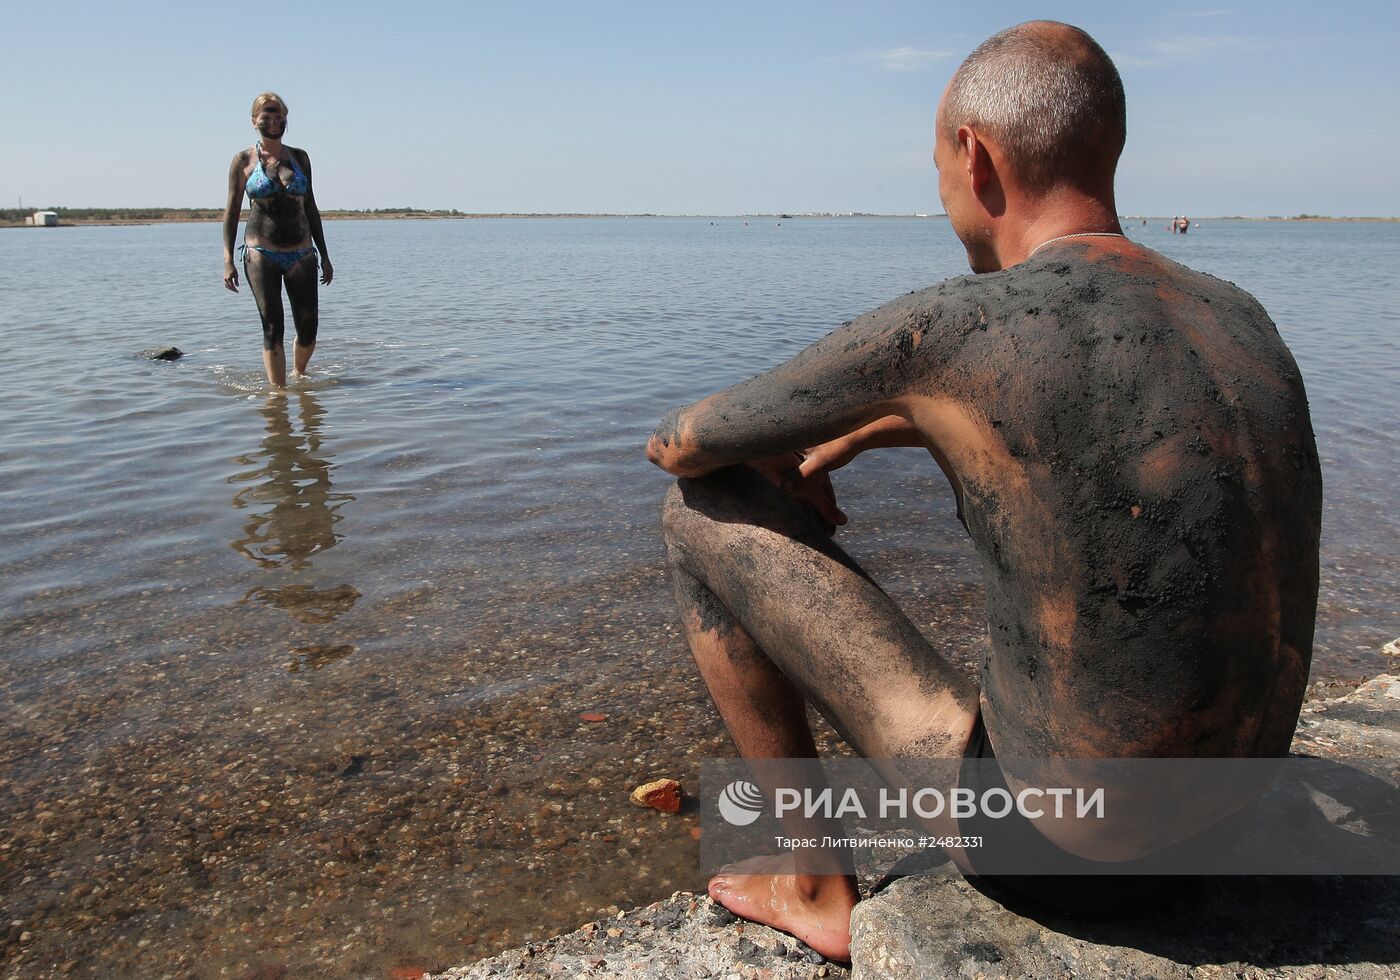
1049 97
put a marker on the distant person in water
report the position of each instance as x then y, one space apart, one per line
283 222
1129 446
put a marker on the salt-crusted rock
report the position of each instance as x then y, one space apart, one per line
1305 926
1364 724
684 936
942 926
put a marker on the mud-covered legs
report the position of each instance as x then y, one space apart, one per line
266 280
776 611
778 616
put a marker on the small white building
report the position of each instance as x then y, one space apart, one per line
45 219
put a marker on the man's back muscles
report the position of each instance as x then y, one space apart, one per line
1136 466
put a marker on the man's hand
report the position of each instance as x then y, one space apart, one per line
813 492
810 481
828 456
885 433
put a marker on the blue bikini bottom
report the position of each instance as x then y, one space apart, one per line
283 260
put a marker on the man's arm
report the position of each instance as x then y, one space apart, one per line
890 432
857 375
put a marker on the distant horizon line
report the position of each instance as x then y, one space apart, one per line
205 214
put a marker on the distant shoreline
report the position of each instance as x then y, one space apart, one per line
76 217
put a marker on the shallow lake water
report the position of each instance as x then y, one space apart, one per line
296 682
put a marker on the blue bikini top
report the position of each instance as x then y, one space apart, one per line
261 185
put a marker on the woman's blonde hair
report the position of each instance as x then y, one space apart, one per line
265 98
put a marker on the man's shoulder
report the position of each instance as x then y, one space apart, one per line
1148 268
984 301
997 290
936 301
951 320
1141 279
1059 297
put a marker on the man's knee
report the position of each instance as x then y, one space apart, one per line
689 498
738 498
724 495
673 512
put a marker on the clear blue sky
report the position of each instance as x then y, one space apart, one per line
1233 108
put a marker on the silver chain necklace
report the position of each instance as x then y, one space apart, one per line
1077 234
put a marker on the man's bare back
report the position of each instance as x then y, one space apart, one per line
1137 471
1130 448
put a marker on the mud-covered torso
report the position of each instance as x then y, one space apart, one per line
278 220
1137 469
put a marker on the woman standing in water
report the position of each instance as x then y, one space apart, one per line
283 221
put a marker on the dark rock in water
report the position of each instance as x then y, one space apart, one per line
163 354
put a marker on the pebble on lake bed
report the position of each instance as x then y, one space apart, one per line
659 794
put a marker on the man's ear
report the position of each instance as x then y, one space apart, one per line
980 169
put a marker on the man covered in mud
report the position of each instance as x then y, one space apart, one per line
1129 445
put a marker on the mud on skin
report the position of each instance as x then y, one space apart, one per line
739 546
279 220
1138 475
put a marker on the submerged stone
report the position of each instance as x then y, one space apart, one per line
163 354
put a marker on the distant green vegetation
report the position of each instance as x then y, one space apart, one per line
439 211
73 215
116 214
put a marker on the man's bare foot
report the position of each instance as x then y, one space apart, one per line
814 908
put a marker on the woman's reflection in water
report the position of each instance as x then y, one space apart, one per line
292 509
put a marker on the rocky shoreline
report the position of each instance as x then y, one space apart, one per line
940 925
